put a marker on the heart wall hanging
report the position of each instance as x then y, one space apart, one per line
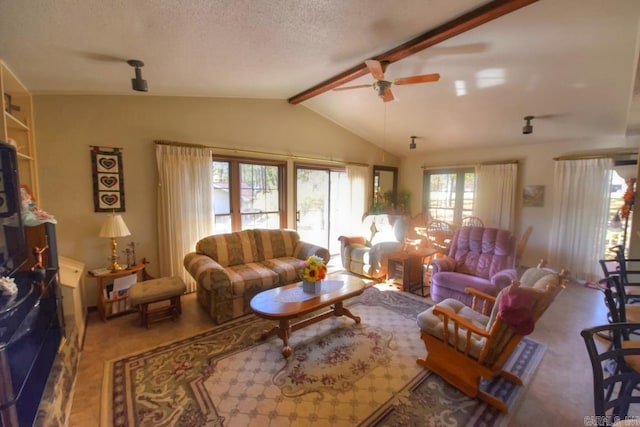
108 184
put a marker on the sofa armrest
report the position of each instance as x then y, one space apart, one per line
503 278
443 264
304 250
205 270
349 240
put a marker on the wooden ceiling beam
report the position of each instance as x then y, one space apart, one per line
457 26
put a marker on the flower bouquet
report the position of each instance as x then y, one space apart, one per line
312 272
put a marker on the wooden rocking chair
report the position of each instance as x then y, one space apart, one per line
465 345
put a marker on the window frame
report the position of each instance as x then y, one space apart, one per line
458 210
235 213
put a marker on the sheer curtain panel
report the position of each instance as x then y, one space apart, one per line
495 197
185 205
358 189
580 208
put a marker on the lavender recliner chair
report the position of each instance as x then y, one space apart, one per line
480 258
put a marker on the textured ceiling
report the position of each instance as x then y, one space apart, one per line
571 61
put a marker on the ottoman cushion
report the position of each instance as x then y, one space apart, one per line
156 290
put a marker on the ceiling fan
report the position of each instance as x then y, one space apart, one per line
382 86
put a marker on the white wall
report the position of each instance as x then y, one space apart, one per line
535 168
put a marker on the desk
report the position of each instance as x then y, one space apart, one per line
111 306
406 268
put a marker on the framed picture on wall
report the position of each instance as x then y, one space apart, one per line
533 196
108 185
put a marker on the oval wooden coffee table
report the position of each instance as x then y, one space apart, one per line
289 302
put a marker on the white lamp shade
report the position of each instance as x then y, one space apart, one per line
114 226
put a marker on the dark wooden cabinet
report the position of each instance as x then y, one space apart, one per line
41 236
30 334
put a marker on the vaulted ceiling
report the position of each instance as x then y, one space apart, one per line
570 63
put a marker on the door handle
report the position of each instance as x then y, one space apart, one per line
297 216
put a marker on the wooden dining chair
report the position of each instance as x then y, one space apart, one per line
472 221
439 235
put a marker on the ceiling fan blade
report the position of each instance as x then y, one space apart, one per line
375 68
425 78
387 96
352 87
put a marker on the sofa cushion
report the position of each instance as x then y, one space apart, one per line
230 249
250 278
275 243
360 254
287 268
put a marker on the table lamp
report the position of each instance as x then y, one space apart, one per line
113 227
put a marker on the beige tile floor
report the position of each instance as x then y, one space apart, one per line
560 393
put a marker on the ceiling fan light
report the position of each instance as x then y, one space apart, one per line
412 145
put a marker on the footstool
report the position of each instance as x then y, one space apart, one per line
142 294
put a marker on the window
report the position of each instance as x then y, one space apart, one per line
248 194
619 221
448 194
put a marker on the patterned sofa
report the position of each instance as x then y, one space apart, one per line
231 268
381 234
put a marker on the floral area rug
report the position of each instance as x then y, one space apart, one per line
340 374
335 361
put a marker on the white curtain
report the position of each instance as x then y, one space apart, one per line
358 178
580 209
496 195
185 205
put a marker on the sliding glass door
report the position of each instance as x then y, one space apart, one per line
321 195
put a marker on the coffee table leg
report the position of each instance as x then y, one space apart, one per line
339 310
284 329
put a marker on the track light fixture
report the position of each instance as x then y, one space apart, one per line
138 83
527 128
412 146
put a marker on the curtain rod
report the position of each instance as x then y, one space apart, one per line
459 166
608 155
264 153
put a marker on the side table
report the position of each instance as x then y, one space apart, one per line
406 268
107 303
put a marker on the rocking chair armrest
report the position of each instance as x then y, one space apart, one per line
460 321
480 294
